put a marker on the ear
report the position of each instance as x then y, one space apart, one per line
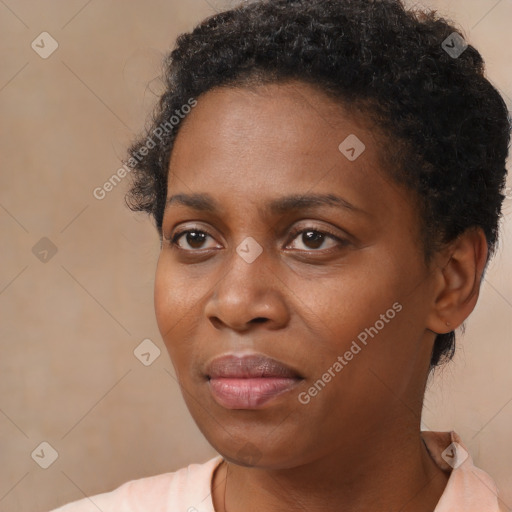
458 272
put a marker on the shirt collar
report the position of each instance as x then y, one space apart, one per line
469 489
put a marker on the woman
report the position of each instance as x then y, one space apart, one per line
326 178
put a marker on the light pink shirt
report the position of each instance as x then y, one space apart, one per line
469 489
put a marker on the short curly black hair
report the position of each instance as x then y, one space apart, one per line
451 125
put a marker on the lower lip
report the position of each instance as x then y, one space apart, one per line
248 393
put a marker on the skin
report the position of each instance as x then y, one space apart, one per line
356 445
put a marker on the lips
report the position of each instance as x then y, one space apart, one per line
249 381
248 366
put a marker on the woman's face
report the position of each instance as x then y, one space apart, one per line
337 294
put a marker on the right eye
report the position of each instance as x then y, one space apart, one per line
194 238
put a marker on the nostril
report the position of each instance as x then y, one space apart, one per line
259 320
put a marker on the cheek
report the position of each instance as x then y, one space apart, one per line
164 297
171 314
341 306
179 302
171 300
368 317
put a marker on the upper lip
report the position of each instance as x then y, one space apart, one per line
248 366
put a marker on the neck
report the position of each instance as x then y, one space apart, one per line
376 474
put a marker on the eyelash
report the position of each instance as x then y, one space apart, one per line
297 231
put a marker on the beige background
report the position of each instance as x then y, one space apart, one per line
69 326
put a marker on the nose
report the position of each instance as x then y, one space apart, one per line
248 294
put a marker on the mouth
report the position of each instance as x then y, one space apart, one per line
249 381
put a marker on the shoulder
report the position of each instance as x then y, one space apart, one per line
469 488
187 489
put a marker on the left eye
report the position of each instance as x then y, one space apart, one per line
315 238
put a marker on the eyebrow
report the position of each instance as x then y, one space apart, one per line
206 203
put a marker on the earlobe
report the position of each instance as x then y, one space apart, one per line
457 285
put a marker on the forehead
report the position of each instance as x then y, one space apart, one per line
251 145
292 117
